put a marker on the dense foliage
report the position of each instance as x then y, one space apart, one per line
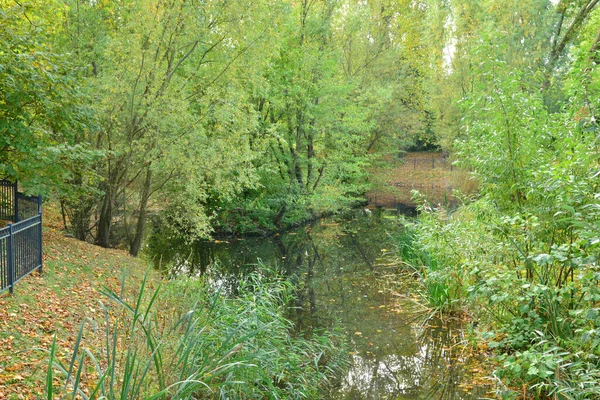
253 116
43 113
221 114
522 257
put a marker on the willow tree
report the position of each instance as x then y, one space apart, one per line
313 130
155 69
335 91
385 49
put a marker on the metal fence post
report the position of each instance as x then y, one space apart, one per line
11 259
41 260
16 201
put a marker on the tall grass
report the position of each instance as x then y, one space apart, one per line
182 342
436 291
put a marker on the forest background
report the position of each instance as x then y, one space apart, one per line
223 115
251 117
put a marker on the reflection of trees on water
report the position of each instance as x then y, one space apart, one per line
333 265
404 362
177 257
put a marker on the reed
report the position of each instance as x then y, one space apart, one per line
183 341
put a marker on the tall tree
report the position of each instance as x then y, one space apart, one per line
152 73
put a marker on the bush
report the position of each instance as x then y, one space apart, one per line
533 286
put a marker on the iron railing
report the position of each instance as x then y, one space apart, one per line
8 200
27 207
21 240
428 163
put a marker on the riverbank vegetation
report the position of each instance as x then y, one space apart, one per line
208 345
110 326
430 173
522 255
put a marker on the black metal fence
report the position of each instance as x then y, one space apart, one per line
21 240
428 163
8 200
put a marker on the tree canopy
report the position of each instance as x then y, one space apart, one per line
221 114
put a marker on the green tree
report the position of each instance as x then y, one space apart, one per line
155 74
44 115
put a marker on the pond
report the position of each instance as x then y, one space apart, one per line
338 266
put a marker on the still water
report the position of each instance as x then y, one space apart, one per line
338 265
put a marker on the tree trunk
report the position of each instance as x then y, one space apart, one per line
310 154
117 170
310 149
136 244
560 43
105 220
280 214
80 218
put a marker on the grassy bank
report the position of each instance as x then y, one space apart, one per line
56 302
142 336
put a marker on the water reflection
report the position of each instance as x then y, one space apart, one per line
410 364
335 264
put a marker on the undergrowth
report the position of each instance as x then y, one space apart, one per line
183 341
531 284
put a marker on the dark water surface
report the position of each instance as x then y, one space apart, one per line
338 265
